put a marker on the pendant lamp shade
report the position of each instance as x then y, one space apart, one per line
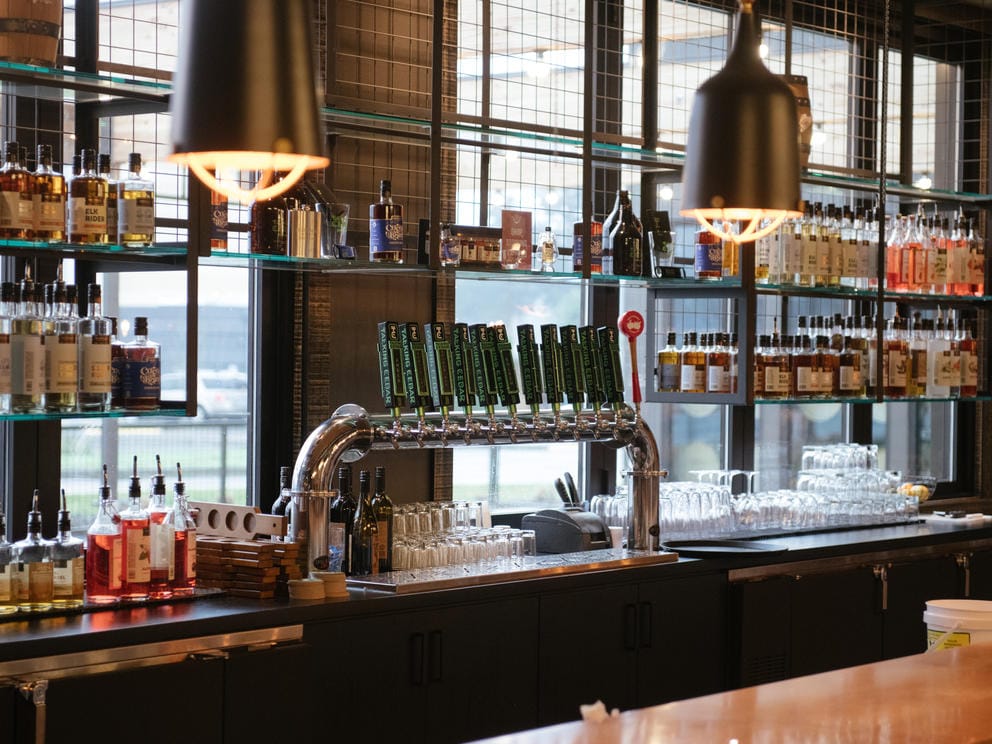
742 153
244 96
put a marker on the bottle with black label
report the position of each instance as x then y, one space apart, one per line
341 522
285 494
269 224
364 561
382 508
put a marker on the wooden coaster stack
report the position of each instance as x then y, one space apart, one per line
245 568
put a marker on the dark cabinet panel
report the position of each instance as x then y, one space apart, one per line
265 697
836 621
911 585
761 614
682 638
980 575
7 700
589 645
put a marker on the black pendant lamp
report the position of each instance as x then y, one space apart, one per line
244 96
742 154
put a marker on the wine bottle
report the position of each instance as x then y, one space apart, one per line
341 521
104 550
385 227
285 494
382 508
364 532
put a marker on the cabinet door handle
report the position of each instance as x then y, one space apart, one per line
644 625
35 692
434 646
882 574
630 627
964 563
417 659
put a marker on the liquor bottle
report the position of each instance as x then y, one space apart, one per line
104 550
88 203
708 261
184 534
916 381
382 509
135 544
48 198
449 249
976 260
68 563
950 334
162 539
77 165
718 366
547 250
142 370
8 592
608 224
692 366
341 522
113 213
16 198
668 366
95 332
627 242
385 227
118 363
827 367
364 532
8 309
33 556
27 354
269 224
61 352
218 221
895 359
285 493
135 206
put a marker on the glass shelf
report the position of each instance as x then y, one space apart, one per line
169 253
802 401
174 409
49 83
850 293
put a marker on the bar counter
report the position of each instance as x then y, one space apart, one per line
931 697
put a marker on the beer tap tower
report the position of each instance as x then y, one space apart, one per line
423 368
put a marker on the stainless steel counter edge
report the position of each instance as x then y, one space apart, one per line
24 638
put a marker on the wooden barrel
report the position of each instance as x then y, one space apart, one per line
30 30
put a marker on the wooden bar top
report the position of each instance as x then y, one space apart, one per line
945 696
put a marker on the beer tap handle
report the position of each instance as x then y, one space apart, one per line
418 388
440 369
466 387
592 365
551 361
506 373
530 367
571 364
391 380
631 325
484 362
609 351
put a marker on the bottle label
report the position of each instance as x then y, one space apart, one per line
9 210
163 555
27 364
775 380
6 583
138 552
35 582
709 259
382 544
49 212
190 553
823 257
95 372
88 216
61 364
386 236
693 378
336 536
852 260
218 220
142 378
137 217
669 376
897 369
577 252
969 369
4 363
67 579
808 256
806 380
717 379
792 256
850 377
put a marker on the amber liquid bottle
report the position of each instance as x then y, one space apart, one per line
142 370
184 529
804 379
113 215
15 196
692 366
269 224
48 198
135 206
88 204
828 368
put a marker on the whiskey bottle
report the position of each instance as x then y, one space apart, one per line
135 544
668 366
218 221
184 532
341 522
692 366
113 215
382 508
68 563
104 550
595 252
27 354
95 333
162 539
364 560
88 203
61 352
33 573
135 206
8 309
16 219
48 199
385 227
8 594
142 370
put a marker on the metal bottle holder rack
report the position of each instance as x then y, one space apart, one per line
351 432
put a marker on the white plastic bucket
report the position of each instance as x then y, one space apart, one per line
957 622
